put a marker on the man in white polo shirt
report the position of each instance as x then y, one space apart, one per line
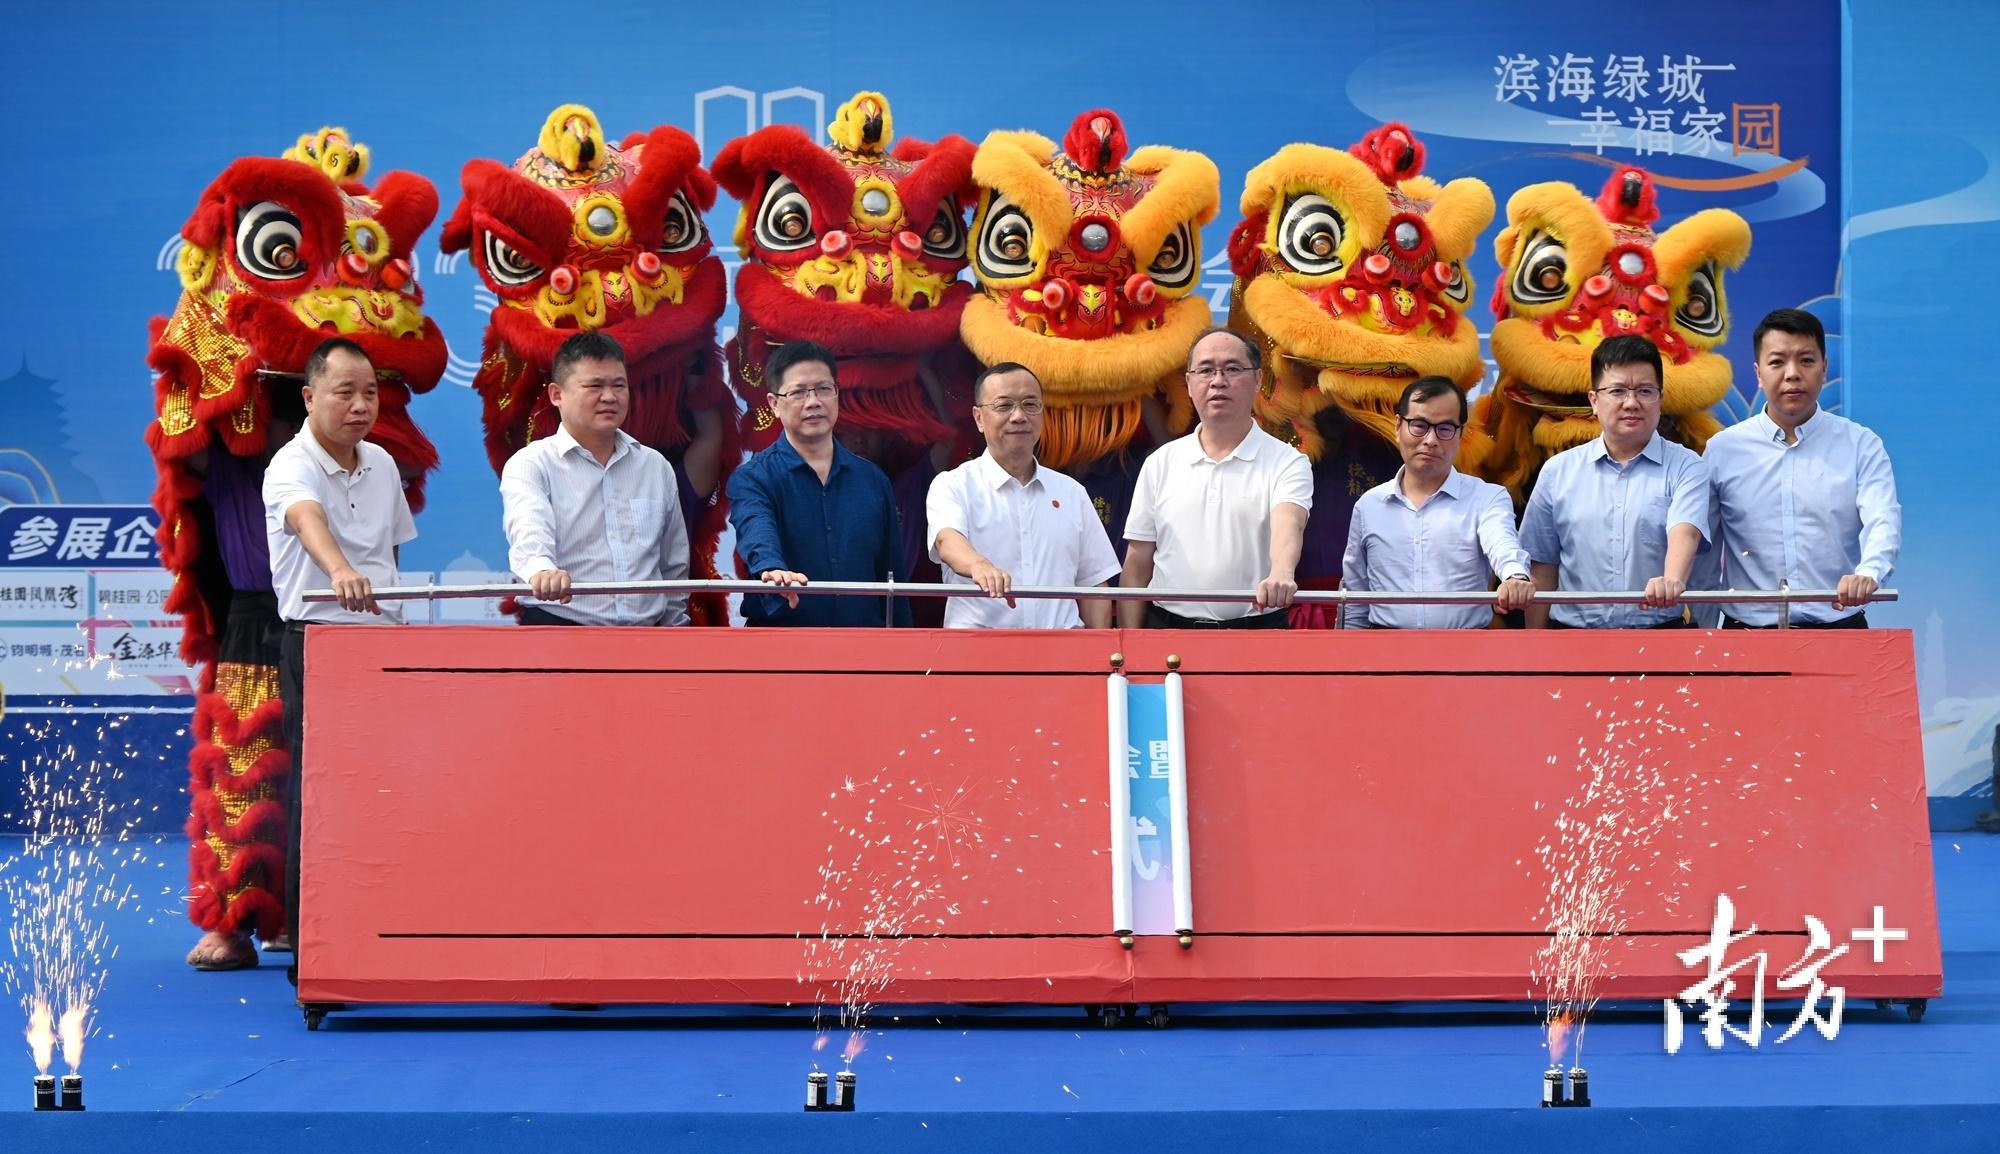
1002 519
590 503
334 514
1221 508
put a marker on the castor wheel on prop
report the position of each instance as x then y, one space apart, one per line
1158 1018
316 1012
1110 1016
1916 1007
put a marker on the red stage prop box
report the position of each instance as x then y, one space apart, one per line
583 815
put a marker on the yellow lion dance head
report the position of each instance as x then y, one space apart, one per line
1576 272
1350 273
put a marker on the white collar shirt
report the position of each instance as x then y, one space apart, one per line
1043 532
365 511
1604 525
1803 514
1458 540
1210 521
618 521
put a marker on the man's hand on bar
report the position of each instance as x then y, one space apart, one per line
351 590
551 585
784 577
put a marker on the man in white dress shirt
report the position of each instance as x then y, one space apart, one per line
1627 512
1001 519
1222 508
1431 528
592 504
1803 497
334 516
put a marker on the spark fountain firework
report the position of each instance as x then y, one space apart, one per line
914 835
77 857
1655 770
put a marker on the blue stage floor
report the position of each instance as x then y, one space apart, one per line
187 1061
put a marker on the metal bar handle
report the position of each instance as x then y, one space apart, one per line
435 592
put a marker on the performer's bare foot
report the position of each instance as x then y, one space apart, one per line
219 951
282 944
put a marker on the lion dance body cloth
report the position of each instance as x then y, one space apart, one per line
281 253
1089 262
1350 276
1576 272
582 235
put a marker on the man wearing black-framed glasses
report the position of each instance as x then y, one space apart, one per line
1432 528
809 509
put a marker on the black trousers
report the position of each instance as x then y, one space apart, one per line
1158 618
291 691
1857 621
1677 623
536 615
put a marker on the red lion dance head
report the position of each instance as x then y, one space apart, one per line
857 246
281 254
584 235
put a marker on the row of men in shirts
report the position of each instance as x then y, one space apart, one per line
1793 495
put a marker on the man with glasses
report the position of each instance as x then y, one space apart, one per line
1625 512
1803 497
1432 528
809 509
1001 518
1221 508
590 503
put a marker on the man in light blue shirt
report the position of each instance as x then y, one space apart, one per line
1431 528
591 503
1625 512
1803 497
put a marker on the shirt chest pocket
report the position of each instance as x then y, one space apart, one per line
1050 545
1649 520
635 520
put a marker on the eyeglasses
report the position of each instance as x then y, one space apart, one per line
1646 394
1028 408
823 392
1420 428
1208 374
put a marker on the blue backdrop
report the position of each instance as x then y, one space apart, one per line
120 114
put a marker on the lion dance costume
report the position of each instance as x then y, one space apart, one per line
1089 261
582 235
1577 272
281 253
1350 276
858 246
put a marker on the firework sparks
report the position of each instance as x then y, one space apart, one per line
70 1030
80 845
41 1035
1649 775
904 850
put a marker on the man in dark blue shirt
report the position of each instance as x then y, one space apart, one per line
807 509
